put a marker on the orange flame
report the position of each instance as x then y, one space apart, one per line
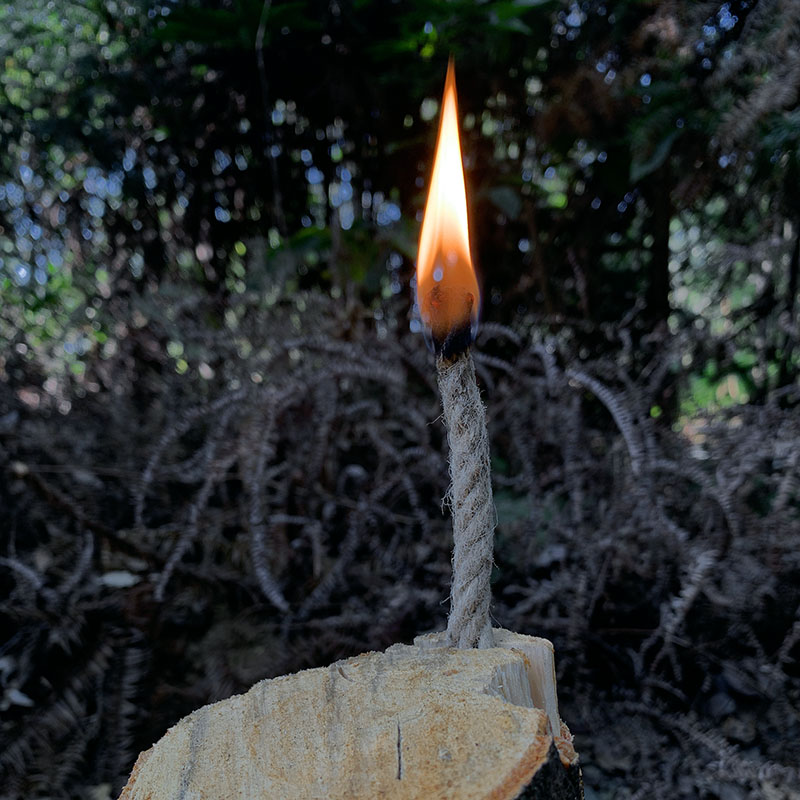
447 287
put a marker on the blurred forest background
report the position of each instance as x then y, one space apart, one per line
220 449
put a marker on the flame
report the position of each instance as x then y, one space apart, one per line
447 287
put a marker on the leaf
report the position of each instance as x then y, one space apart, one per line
507 200
557 200
119 579
640 169
513 24
209 26
511 9
15 697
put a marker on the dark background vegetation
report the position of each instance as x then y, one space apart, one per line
220 450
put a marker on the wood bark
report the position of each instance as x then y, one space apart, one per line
420 721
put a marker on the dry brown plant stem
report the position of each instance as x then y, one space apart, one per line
470 501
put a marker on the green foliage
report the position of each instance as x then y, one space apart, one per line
146 142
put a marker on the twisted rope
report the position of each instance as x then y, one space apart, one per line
470 501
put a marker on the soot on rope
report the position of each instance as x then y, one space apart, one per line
450 321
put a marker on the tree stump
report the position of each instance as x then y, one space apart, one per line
420 721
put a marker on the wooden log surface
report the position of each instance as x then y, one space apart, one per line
416 721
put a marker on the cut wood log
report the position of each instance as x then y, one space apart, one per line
416 721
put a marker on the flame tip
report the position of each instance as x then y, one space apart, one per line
450 77
448 295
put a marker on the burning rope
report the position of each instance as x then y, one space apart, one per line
470 501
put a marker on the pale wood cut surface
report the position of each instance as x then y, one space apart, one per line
413 722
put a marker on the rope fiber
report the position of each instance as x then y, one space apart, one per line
470 500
